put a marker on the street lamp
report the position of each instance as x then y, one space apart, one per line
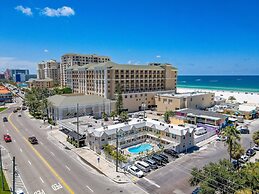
143 106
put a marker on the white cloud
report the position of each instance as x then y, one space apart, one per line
25 10
129 62
63 11
158 56
46 50
11 63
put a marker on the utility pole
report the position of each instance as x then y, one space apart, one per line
77 124
117 150
1 165
14 175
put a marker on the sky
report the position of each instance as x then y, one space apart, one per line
210 37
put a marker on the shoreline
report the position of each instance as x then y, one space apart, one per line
241 96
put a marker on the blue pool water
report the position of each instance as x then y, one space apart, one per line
140 148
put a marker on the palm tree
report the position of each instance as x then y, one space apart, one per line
113 115
237 152
233 136
256 137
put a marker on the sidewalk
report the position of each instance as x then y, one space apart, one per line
207 141
91 158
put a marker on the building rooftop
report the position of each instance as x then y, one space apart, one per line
184 95
247 108
112 65
201 113
4 90
85 55
74 99
40 80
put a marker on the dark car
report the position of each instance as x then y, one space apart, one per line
24 108
5 119
250 152
196 191
158 160
165 157
244 131
14 111
235 164
33 140
18 108
171 153
152 163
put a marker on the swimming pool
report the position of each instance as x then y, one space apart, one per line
140 148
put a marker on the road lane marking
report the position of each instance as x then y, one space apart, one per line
41 180
20 149
14 140
89 188
39 192
29 162
42 159
68 168
56 186
41 143
52 153
151 182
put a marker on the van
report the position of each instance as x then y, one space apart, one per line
143 166
200 131
152 163
158 160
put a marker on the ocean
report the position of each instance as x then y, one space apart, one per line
242 83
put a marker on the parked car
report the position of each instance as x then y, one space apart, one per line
135 171
235 164
244 131
33 140
243 158
143 166
250 152
165 160
152 163
158 160
200 131
18 108
7 138
24 108
165 157
256 147
171 153
19 115
19 191
15 110
196 190
5 119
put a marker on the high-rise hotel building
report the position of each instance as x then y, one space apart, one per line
69 60
139 83
49 69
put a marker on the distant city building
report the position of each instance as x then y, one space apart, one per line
40 83
17 75
30 76
195 100
71 59
49 69
2 76
139 83
65 106
5 95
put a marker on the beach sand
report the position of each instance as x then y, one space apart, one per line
250 97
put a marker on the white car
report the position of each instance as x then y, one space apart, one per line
243 158
135 171
19 191
256 147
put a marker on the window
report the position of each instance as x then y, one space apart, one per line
126 96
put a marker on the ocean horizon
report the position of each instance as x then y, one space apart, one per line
242 83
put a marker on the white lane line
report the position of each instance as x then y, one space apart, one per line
67 167
151 182
41 180
29 162
14 140
20 149
52 154
89 188
41 143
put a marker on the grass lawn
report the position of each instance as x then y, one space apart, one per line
6 188
2 109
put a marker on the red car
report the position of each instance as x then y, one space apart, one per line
7 138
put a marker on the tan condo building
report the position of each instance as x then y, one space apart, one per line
49 69
139 83
41 83
69 60
195 100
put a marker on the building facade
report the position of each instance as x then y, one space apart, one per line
17 75
194 100
49 69
5 95
138 131
40 83
69 60
138 83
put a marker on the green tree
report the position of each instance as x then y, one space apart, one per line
104 116
167 116
237 151
231 98
113 115
233 136
124 116
119 100
256 137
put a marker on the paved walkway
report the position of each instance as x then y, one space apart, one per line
207 141
91 158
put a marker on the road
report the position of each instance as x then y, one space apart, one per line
174 177
49 168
